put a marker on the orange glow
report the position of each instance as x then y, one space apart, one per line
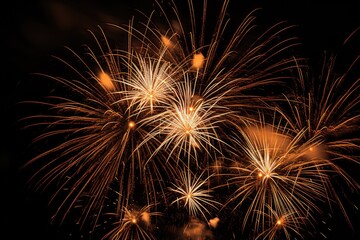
106 81
315 152
279 222
260 175
167 42
146 218
131 124
214 222
133 220
198 60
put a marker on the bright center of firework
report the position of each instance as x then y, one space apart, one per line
198 60
187 131
189 195
131 124
150 94
260 175
133 220
191 109
279 222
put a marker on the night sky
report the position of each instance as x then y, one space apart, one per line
34 30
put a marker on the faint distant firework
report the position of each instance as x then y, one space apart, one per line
186 109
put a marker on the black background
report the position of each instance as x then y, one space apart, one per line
33 30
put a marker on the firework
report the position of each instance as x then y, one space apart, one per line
193 195
191 126
174 108
272 171
281 226
326 108
133 224
101 126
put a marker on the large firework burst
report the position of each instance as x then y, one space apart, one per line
273 173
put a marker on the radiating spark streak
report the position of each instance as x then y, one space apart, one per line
242 66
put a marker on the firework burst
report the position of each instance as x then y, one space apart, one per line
242 64
195 194
326 107
175 100
281 226
101 126
191 125
133 224
148 83
272 171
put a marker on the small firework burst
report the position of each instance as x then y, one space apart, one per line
134 224
195 194
284 225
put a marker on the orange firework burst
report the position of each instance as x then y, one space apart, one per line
102 126
272 172
133 224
